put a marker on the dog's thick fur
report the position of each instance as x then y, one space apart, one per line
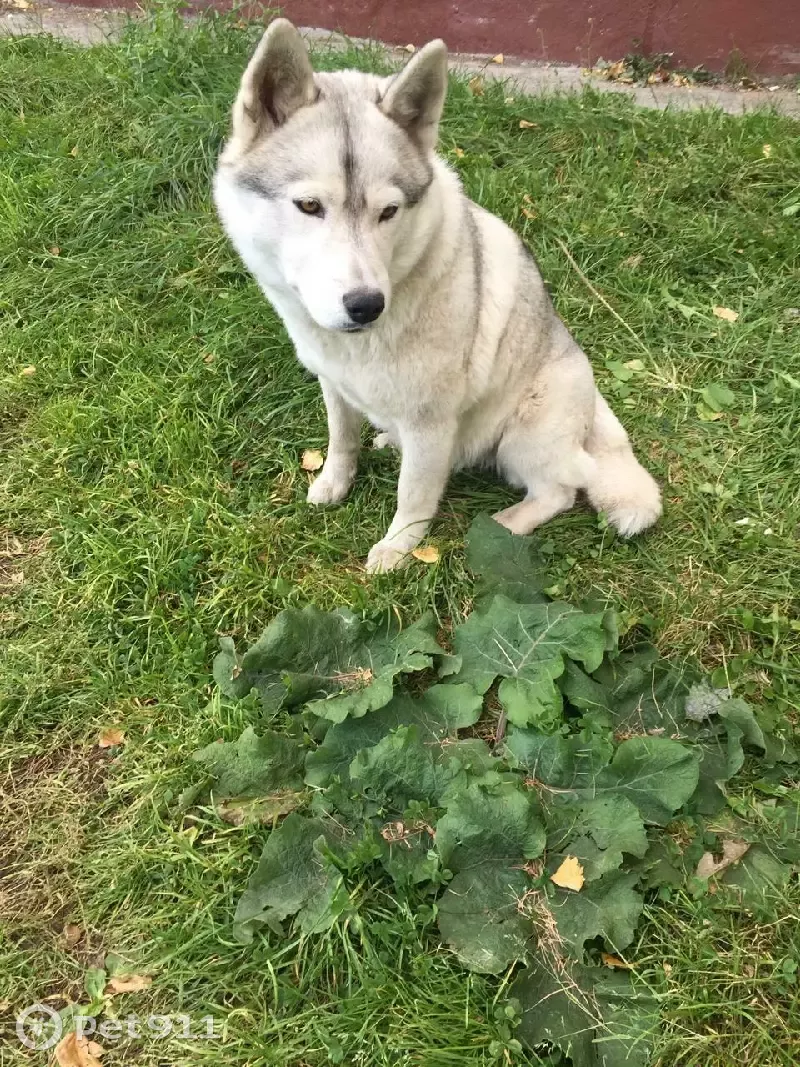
468 362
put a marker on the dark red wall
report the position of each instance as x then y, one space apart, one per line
766 32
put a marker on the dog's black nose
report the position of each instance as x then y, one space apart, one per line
364 305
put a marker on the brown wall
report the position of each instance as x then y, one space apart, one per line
766 32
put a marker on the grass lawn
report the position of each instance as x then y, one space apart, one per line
151 498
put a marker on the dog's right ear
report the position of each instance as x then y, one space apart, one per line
278 81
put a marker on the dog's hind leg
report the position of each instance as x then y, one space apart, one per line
542 445
344 443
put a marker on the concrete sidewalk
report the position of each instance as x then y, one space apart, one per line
90 26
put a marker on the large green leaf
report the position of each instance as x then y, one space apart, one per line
254 765
404 766
341 662
479 917
658 775
527 641
294 877
596 1018
571 762
504 563
644 692
486 835
439 712
608 908
597 832
484 823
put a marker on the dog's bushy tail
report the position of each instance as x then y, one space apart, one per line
619 486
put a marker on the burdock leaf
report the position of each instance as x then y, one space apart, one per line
532 702
497 823
342 663
505 563
596 1018
255 765
572 762
526 641
596 832
439 712
644 692
294 877
658 775
479 917
405 766
608 908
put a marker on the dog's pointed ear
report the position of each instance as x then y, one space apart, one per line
278 81
415 97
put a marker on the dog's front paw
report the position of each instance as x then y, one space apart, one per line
329 488
385 557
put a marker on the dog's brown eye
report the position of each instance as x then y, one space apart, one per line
309 206
388 213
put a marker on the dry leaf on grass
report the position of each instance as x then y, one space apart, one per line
312 460
499 58
459 152
410 48
476 85
732 852
726 313
74 151
766 150
55 251
615 962
569 875
110 737
633 261
74 1051
26 372
525 125
426 554
72 933
127 983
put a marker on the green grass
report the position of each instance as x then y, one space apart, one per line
152 498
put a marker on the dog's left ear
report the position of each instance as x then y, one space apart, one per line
415 97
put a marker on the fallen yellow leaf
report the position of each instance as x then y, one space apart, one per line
74 151
476 85
110 737
55 251
26 372
410 48
726 313
525 125
732 852
499 58
74 1051
127 983
426 554
766 150
459 152
615 962
509 100
569 875
72 933
311 460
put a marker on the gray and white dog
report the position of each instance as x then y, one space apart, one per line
415 308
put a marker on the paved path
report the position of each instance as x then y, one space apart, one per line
89 26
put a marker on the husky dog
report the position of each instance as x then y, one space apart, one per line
413 306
